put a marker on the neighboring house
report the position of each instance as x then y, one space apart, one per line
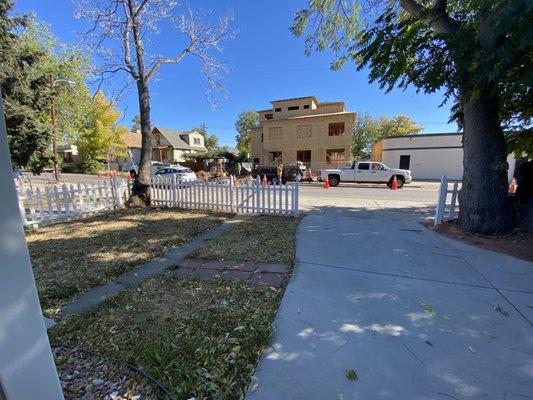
69 155
428 156
133 142
303 129
169 145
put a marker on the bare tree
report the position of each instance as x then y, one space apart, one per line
118 32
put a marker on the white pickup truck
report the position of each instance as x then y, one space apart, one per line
365 172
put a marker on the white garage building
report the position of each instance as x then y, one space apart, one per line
428 156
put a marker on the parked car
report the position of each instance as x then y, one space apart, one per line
154 167
182 173
365 172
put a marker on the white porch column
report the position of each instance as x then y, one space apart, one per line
27 370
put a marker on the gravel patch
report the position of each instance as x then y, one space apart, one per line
89 376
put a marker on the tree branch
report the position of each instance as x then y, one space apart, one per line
126 44
141 6
153 69
437 17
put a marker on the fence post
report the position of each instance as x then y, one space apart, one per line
296 194
257 195
230 183
29 196
22 211
117 192
174 191
64 192
441 202
455 191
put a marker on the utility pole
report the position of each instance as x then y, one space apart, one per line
54 135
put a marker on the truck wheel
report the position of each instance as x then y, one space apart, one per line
333 180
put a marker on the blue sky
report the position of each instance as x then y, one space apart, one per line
266 62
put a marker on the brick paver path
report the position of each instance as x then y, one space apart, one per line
253 273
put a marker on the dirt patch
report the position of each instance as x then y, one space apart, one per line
71 257
515 244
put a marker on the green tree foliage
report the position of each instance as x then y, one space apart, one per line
397 125
25 92
101 139
364 135
478 52
246 121
520 142
136 123
369 130
36 70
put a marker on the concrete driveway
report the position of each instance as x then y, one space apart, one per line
415 315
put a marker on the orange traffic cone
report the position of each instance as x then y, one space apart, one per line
513 186
394 184
326 183
264 183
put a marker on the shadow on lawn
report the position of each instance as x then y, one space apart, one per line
71 257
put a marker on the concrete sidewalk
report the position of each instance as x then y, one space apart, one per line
417 316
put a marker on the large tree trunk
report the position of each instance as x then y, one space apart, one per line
141 184
484 203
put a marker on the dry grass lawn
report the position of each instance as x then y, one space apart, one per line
264 239
200 339
71 257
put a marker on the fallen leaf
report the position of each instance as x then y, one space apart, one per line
428 309
351 374
472 350
499 309
429 343
254 384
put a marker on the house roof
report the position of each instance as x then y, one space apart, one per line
133 140
175 138
423 135
295 98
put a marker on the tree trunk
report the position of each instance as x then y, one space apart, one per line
141 184
484 203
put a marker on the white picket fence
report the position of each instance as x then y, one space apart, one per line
447 203
226 196
56 203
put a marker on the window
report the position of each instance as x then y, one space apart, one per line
277 110
306 106
275 133
269 116
364 165
336 129
377 167
67 157
303 131
303 156
157 140
292 108
197 141
335 156
405 160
